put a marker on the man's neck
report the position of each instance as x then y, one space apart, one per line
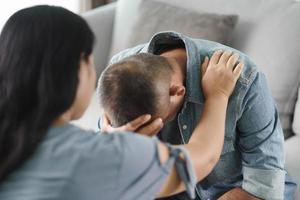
179 54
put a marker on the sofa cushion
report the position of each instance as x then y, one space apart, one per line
296 122
154 16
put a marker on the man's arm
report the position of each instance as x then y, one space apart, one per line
260 141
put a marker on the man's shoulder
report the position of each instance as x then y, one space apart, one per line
251 70
127 52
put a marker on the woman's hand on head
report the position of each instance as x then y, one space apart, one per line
220 74
142 125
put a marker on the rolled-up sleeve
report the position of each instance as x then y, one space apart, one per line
260 142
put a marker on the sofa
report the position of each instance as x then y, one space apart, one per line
266 30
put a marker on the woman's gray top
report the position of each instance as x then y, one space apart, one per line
72 164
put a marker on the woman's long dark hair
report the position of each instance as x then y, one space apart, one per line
40 52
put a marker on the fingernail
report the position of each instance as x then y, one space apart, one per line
147 117
159 122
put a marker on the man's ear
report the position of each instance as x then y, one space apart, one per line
177 90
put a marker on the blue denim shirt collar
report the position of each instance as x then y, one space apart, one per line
194 92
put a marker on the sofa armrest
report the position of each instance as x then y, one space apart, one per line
101 21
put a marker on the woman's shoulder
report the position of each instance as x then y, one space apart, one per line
72 137
69 137
118 158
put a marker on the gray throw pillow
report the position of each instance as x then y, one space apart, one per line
154 16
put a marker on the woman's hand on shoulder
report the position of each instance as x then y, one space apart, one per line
220 74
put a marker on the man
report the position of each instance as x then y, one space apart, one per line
252 160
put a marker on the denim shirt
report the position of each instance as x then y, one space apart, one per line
253 154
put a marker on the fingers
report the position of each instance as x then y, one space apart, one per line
225 57
238 70
232 61
130 126
137 123
204 65
153 128
216 57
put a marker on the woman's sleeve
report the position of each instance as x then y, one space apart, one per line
141 173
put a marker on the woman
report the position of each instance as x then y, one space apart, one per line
47 78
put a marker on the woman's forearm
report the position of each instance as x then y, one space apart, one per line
204 147
206 143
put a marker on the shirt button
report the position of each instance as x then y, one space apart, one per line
184 127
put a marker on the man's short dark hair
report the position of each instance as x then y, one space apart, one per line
134 86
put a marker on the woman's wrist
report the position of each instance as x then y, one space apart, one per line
222 98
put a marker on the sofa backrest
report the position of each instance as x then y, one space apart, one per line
249 15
